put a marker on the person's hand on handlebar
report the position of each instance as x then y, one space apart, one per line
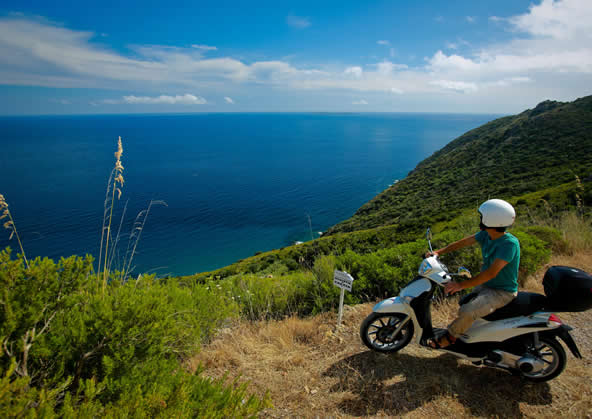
452 287
434 253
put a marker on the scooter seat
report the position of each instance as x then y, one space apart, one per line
524 304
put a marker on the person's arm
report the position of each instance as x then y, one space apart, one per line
482 278
467 241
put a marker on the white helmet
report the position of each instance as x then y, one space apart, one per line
497 213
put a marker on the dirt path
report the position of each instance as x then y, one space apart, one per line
312 370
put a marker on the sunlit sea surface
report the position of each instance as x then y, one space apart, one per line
235 184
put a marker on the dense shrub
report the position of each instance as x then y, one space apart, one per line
534 253
268 296
73 350
551 237
381 274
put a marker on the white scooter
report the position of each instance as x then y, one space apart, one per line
517 337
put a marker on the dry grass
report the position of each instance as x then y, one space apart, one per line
313 370
576 230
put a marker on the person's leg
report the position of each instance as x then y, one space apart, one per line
487 301
447 339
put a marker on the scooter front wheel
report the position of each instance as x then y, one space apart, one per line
379 331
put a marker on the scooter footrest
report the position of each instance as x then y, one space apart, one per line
474 350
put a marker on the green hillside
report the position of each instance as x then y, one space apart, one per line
508 157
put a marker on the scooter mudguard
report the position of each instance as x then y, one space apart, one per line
398 305
563 333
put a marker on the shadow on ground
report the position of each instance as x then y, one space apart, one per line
400 383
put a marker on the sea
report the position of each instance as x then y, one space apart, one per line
226 186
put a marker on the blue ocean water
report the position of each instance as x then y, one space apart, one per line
235 184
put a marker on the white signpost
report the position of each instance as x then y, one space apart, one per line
344 281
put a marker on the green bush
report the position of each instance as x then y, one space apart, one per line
270 296
534 253
70 349
552 237
383 273
325 294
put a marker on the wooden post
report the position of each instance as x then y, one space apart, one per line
344 281
340 307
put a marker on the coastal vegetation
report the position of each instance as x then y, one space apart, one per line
72 349
83 341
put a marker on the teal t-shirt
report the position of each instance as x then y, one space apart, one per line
505 248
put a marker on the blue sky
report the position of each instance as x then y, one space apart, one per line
503 56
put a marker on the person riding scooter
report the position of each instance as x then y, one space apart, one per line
497 284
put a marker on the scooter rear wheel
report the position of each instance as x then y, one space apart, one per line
553 355
377 332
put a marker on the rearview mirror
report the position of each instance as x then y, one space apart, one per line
429 238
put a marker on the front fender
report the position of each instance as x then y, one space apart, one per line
398 305
393 305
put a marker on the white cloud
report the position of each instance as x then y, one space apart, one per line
229 100
34 53
451 45
458 86
359 102
186 99
386 68
355 71
441 61
562 20
396 91
298 22
383 42
520 79
508 81
204 47
518 57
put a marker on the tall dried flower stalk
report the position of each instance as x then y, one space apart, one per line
116 241
115 179
9 225
134 237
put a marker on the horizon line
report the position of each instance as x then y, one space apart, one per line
254 113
